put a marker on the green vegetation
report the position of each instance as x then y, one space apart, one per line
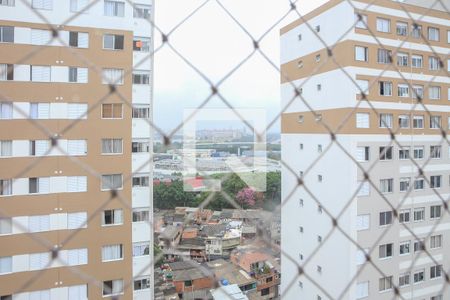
171 195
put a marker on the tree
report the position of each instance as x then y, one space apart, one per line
248 197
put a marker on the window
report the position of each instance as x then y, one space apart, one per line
386 185
362 222
402 59
433 63
402 28
403 90
435 181
319 87
364 189
404 279
6 110
419 184
140 180
435 122
112 146
141 44
318 28
78 75
38 185
385 250
189 283
404 183
419 246
363 153
39 223
419 276
40 73
5 187
436 241
6 34
385 283
362 120
386 153
77 257
78 39
418 122
76 184
142 284
363 86
385 218
39 110
6 72
384 56
7 3
39 261
435 151
113 76
140 146
5 264
113 41
112 217
141 214
77 111
317 57
419 214
434 92
5 225
439 297
112 110
112 252
141 112
417 61
385 121
78 292
385 88
361 23
383 25
5 148
416 31
433 34
113 181
77 220
141 77
114 8
142 11
141 249
405 248
42 4
418 91
77 147
435 271
112 287
39 148
435 211
403 121
361 53
78 5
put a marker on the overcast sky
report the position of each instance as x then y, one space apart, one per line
214 44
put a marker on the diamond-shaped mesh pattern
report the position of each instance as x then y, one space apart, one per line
328 126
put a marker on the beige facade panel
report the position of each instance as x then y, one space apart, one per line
343 121
344 56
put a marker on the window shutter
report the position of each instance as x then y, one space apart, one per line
82 75
360 154
76 220
77 292
76 147
72 184
82 256
44 185
43 110
118 216
72 257
40 73
83 37
82 184
42 147
40 37
39 261
48 4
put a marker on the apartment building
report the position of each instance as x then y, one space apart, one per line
75 139
349 189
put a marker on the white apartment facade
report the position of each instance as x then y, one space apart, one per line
334 265
87 201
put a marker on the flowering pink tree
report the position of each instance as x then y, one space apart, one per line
249 197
